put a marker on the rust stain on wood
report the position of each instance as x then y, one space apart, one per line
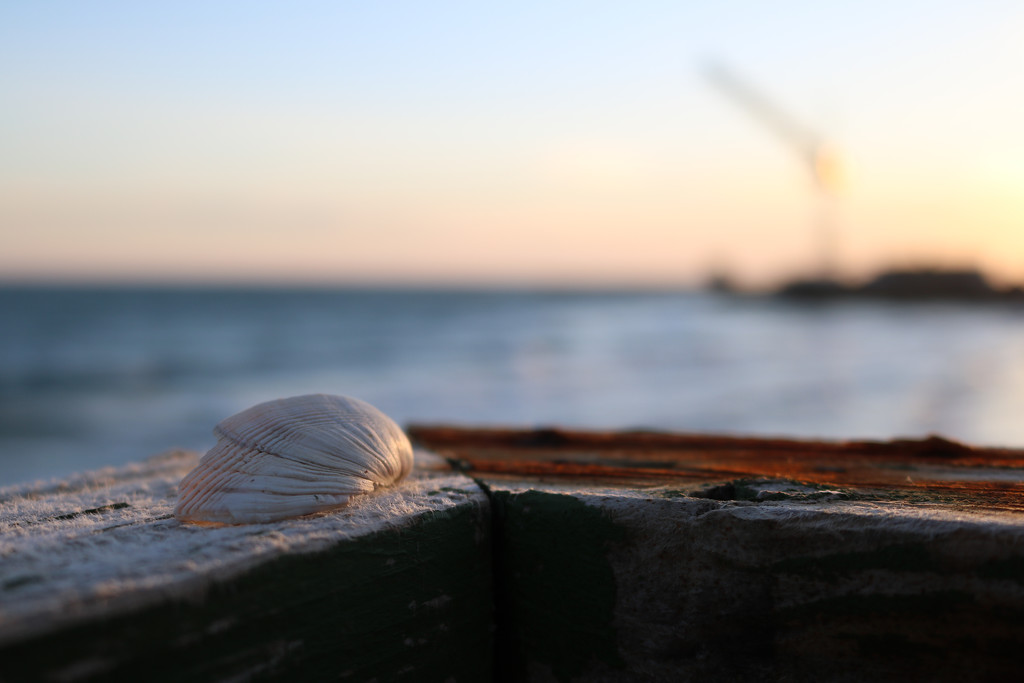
991 478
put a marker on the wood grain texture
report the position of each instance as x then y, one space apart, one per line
659 557
99 582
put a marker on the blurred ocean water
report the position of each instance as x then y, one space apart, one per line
92 377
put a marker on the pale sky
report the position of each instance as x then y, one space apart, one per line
532 143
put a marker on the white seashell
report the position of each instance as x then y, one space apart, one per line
292 457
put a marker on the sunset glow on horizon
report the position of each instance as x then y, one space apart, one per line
560 144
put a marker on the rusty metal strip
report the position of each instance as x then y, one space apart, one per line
983 477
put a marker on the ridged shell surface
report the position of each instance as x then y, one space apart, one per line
292 457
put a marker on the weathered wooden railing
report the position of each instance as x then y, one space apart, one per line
539 555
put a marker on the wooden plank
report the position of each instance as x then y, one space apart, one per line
615 557
672 557
923 469
99 582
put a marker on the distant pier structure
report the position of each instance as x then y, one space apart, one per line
921 284
821 159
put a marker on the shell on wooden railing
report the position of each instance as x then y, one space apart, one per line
293 457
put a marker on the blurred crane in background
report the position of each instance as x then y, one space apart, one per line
815 153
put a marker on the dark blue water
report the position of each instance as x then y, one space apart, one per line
91 377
